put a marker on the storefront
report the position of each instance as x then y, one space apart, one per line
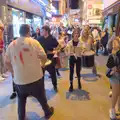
110 13
16 12
17 20
25 12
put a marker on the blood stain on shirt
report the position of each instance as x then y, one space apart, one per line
21 57
26 49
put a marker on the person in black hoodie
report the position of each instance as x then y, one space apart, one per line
49 43
104 41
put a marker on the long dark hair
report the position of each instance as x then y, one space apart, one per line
38 32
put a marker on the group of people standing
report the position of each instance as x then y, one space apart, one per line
28 57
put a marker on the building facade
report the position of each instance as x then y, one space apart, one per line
16 12
93 12
111 13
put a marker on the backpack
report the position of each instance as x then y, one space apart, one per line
114 60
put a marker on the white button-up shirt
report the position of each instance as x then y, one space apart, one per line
26 55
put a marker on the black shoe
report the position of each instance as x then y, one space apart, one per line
13 95
79 87
55 88
71 88
47 116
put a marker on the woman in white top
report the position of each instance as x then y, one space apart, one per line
74 51
87 44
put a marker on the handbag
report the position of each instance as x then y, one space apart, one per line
110 64
108 73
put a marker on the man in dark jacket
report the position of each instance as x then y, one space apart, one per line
49 43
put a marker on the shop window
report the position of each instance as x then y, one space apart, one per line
18 19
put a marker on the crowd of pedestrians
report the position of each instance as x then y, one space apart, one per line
50 48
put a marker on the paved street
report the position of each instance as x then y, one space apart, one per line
90 103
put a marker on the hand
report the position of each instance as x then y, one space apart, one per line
112 72
54 52
43 66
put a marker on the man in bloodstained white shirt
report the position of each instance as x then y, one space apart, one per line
25 58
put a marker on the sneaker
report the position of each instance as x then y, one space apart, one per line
55 89
110 94
1 78
47 116
13 96
112 114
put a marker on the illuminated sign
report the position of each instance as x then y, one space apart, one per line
89 6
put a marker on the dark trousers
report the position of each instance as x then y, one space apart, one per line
14 90
51 69
72 62
36 90
105 49
97 47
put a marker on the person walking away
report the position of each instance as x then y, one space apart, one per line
25 58
49 43
104 41
73 50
